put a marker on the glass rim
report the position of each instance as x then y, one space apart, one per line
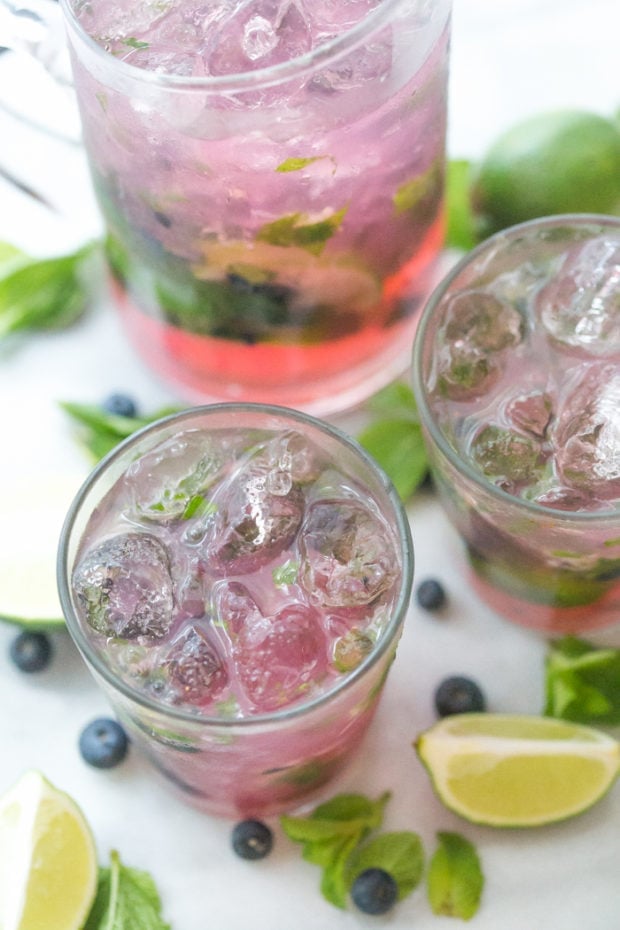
425 411
300 709
245 80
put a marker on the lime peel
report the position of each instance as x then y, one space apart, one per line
517 770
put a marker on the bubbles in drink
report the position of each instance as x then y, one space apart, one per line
346 556
123 587
580 306
477 328
587 434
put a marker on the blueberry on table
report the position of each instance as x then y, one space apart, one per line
31 651
430 594
103 743
374 891
120 405
252 839
459 695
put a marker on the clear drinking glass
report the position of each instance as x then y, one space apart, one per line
271 176
236 578
516 371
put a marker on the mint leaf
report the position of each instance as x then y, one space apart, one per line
455 879
420 195
330 834
297 164
400 853
100 432
285 574
42 294
582 682
394 438
294 230
126 899
11 257
132 42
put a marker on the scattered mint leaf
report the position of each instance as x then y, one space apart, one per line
297 164
285 574
582 682
294 230
455 879
126 899
400 853
394 438
461 224
330 834
42 294
100 432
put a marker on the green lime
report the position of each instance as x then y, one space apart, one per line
508 770
567 161
48 861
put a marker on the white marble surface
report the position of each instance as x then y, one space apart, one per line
510 59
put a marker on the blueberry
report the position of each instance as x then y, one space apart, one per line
252 839
374 891
430 594
459 695
103 743
120 405
31 652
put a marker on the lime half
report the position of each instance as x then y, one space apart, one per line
48 862
517 771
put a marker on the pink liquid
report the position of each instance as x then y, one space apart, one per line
230 577
281 239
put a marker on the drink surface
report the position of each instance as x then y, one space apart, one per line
271 240
235 573
525 383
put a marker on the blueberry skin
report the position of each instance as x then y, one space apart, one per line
430 594
103 743
252 839
30 651
120 405
459 695
374 891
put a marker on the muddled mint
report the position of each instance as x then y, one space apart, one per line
298 164
582 682
351 649
506 456
455 880
285 574
295 230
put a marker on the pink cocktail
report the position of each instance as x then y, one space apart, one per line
271 177
236 578
517 376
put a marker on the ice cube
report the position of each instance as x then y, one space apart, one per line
252 524
580 306
172 480
194 670
508 458
234 608
123 587
281 658
477 326
347 556
258 34
531 412
587 433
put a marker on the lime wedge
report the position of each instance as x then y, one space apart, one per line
48 862
517 771
32 518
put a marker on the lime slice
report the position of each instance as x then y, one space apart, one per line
48 862
517 771
32 518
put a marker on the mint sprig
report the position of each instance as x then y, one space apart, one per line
42 294
126 899
332 837
582 682
394 438
455 880
99 432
